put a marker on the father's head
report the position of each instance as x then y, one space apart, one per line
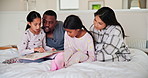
49 21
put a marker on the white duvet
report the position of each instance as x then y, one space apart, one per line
136 68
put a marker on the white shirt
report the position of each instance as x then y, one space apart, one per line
31 41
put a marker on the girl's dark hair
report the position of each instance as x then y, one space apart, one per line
107 15
74 22
31 16
50 13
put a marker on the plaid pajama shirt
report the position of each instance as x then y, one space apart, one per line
109 44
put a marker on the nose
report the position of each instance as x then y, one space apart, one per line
46 24
38 26
69 34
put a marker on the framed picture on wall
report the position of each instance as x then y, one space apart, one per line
95 5
69 4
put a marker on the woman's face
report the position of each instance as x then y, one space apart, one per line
35 25
72 32
98 23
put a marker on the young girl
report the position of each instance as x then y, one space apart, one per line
109 37
78 44
34 37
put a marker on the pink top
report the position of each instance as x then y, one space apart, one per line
83 44
31 41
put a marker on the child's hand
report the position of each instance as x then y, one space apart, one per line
39 49
53 49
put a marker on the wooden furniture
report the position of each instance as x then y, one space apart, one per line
145 50
7 47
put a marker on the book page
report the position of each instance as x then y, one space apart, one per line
35 56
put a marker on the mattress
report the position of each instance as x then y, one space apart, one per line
136 68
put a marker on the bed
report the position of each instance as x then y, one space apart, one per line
136 68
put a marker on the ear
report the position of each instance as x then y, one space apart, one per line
28 23
56 22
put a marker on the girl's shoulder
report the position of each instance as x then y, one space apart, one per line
42 31
27 32
86 35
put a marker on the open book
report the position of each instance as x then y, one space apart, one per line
35 56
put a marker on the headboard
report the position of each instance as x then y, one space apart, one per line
134 22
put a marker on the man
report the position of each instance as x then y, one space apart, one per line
54 30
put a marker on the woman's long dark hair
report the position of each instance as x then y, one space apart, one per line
74 22
31 16
107 15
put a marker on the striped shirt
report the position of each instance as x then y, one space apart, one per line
109 44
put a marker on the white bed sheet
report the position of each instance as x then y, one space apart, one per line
136 68
8 54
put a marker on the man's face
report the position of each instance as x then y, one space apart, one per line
49 23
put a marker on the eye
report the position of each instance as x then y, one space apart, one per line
100 23
95 20
39 23
69 31
50 22
44 21
35 24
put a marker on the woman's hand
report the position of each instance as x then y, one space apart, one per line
39 49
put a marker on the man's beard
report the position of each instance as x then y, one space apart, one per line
47 30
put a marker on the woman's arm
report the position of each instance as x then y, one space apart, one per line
112 42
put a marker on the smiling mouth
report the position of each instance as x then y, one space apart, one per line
37 29
72 36
46 28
